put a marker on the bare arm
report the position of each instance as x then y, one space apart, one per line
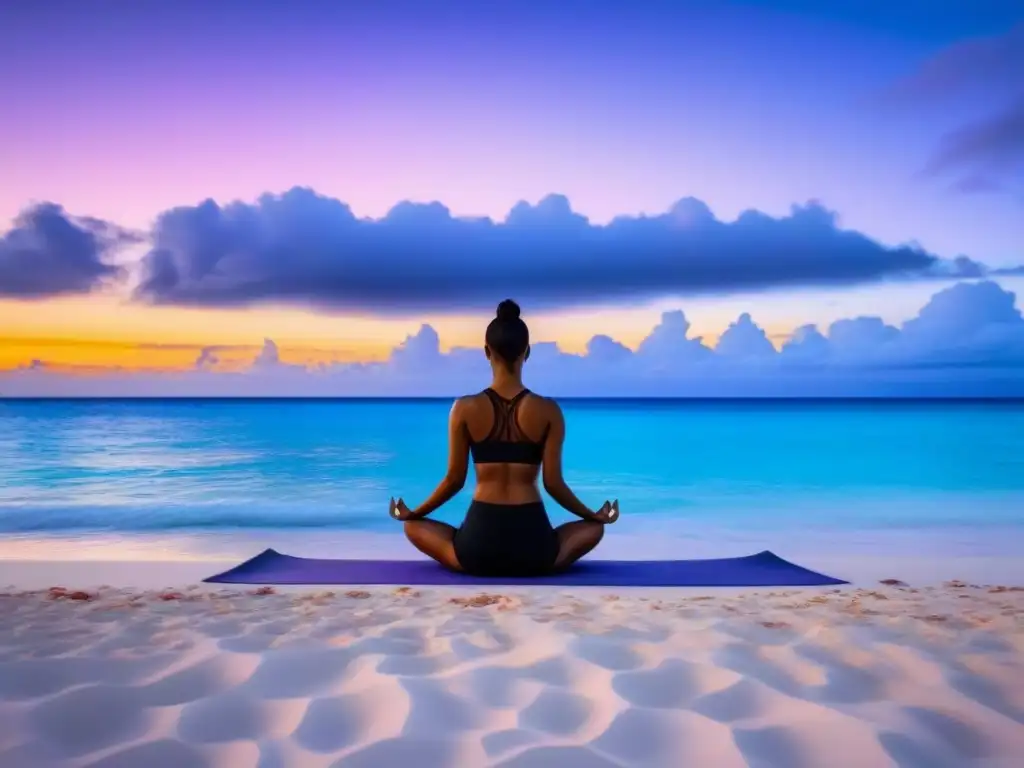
458 464
554 482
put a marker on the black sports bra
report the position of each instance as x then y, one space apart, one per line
506 443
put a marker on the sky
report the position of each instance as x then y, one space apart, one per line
182 181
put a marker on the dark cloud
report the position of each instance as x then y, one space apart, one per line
207 359
958 268
994 63
988 150
302 248
977 184
48 253
987 153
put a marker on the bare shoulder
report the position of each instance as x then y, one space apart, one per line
546 406
466 405
461 405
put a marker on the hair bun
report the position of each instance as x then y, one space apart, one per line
508 310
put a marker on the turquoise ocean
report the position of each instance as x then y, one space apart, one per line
694 477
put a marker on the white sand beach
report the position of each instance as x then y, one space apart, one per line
136 674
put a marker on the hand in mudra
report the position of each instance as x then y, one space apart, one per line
399 510
608 513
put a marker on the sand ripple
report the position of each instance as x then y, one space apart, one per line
888 677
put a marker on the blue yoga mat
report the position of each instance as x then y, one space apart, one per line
764 569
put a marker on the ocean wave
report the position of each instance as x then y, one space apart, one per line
123 518
363 515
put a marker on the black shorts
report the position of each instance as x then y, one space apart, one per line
506 540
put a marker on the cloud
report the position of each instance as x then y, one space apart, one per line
744 340
607 350
301 248
977 184
985 154
669 342
993 63
859 339
207 359
960 267
988 150
268 356
967 325
49 253
968 340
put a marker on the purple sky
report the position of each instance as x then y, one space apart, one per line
130 130
121 110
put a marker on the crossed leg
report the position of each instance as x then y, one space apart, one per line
575 540
435 540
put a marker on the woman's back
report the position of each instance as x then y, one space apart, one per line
501 426
511 435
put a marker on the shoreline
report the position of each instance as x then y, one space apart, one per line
861 572
919 558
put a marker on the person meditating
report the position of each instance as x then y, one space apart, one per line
511 433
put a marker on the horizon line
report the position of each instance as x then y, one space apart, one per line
952 399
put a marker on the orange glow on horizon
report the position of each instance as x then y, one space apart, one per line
78 355
85 356
106 332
